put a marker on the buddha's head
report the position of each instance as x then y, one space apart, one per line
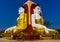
21 10
37 10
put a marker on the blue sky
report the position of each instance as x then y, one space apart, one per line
9 12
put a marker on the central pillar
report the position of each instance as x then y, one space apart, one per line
29 6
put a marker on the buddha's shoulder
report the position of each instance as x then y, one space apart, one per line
22 15
41 17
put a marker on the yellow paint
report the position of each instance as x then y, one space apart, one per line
22 21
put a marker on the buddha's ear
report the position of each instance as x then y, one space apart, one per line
33 9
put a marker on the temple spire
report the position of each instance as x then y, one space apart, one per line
29 0
29 3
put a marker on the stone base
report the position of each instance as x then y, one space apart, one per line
31 37
26 37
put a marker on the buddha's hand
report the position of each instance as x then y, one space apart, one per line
51 30
46 29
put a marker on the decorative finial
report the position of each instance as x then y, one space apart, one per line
29 0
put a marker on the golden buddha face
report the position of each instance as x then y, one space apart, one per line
21 10
37 10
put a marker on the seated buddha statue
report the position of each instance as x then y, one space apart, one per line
37 21
21 22
22 19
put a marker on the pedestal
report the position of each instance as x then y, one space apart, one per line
31 37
